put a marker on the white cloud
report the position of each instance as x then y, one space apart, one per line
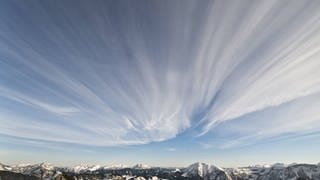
138 77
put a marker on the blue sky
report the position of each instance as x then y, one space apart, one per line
159 82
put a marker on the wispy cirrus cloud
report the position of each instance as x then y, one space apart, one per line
109 78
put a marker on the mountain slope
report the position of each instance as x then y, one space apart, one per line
196 171
205 171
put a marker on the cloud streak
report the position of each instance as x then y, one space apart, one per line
120 73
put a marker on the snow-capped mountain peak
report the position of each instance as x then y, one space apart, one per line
5 167
201 169
205 171
141 166
116 166
86 168
46 166
140 171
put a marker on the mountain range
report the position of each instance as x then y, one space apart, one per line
196 171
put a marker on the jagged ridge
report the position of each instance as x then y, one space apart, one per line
139 171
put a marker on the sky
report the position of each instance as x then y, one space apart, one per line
164 83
